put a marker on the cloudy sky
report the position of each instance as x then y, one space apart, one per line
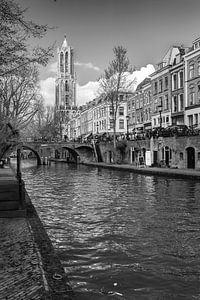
146 28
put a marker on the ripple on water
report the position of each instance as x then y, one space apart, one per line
120 235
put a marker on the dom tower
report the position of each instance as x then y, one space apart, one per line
65 102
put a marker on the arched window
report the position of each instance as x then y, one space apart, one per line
191 70
181 155
66 62
61 62
198 68
66 86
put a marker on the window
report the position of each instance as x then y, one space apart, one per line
66 62
175 104
181 103
66 86
198 92
155 88
111 111
195 119
166 83
121 123
191 71
181 79
149 96
198 155
149 113
174 82
160 85
67 100
61 62
198 68
191 95
121 98
190 120
121 111
111 123
166 102
181 155
167 119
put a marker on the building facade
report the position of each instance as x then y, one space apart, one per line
192 85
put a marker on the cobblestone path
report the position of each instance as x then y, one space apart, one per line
21 274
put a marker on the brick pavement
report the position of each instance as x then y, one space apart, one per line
29 266
21 275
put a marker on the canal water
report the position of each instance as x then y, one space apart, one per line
120 235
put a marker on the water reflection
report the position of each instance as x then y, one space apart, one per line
120 235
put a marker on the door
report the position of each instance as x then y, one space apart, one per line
167 156
190 158
155 157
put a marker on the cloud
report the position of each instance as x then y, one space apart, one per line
87 65
52 67
47 89
87 92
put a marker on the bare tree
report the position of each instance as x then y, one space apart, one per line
15 31
19 98
116 79
19 94
43 126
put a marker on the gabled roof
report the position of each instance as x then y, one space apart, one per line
144 82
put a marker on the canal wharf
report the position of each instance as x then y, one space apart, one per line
168 172
29 266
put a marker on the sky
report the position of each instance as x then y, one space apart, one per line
146 28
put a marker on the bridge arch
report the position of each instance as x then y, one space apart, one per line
39 162
11 147
73 152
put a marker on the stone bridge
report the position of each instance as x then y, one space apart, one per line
69 151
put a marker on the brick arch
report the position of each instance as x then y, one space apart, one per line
74 153
39 162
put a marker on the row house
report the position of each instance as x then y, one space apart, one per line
192 85
103 115
161 89
177 74
139 107
96 117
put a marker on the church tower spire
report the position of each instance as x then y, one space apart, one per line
65 98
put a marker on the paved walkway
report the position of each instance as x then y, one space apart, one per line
21 273
178 173
29 266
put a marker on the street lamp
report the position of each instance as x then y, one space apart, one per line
127 121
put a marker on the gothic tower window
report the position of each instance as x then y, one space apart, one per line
61 62
66 86
66 62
